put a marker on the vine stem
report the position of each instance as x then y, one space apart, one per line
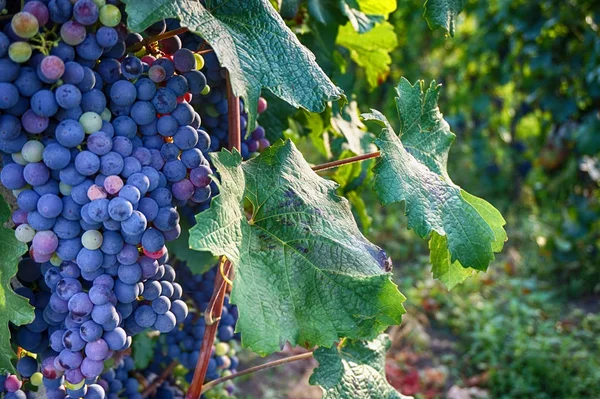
215 306
345 161
254 369
157 38
159 380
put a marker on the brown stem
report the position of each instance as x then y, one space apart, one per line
274 363
215 306
159 380
233 117
346 161
138 46
212 317
201 52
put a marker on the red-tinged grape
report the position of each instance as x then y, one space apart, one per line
262 105
85 12
12 383
45 242
148 59
52 67
156 255
73 33
157 73
25 25
263 144
39 10
113 184
96 192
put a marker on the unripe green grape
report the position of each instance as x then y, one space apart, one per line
110 15
36 379
25 25
20 52
212 111
206 90
18 158
74 387
199 61
24 233
106 115
55 260
32 151
91 122
92 239
221 348
65 189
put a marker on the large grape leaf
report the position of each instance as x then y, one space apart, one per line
304 273
253 43
370 50
355 370
413 169
443 13
13 308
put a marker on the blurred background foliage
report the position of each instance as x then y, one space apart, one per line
521 90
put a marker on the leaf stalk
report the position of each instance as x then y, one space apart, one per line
254 369
346 161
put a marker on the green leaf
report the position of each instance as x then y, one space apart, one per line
347 122
143 350
413 169
370 50
13 308
303 271
449 273
443 13
362 15
198 262
253 43
314 125
355 370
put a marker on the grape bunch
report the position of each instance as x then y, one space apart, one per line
99 146
183 344
213 109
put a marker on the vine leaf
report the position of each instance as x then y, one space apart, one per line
449 273
362 15
413 169
143 350
371 50
355 370
347 122
197 262
443 13
304 272
13 308
253 43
